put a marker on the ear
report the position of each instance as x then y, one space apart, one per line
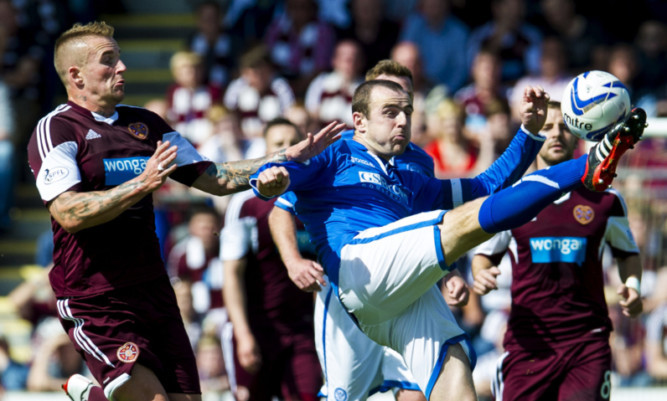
75 75
360 122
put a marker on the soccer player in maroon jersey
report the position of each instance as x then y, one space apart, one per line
96 163
557 340
273 345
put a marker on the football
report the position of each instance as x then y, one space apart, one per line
593 102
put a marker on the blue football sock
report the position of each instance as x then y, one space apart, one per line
519 203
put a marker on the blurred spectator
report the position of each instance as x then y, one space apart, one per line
486 88
212 371
258 95
217 48
195 260
651 44
274 348
21 57
226 143
442 40
407 54
299 115
375 33
191 318
552 76
301 45
188 98
329 95
580 35
34 299
13 374
627 346
157 106
656 333
455 153
250 19
508 34
55 360
7 157
493 331
499 126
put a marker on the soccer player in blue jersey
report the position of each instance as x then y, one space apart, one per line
558 329
96 164
384 241
352 363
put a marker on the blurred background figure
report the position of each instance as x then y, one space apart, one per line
13 374
300 43
455 152
195 260
189 98
212 372
8 160
485 88
442 39
329 95
580 35
257 96
273 343
516 42
369 26
55 360
217 48
407 54
553 75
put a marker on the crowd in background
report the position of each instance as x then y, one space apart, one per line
248 62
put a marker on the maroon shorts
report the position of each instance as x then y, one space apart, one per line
140 324
290 368
578 372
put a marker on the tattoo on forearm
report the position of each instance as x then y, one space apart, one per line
236 175
79 207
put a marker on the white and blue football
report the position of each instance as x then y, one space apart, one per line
593 102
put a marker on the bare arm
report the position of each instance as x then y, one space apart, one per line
632 302
307 274
235 301
76 211
232 177
484 273
455 290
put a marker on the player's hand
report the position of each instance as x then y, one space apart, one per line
631 304
273 181
306 274
534 108
314 144
247 350
455 290
485 280
159 166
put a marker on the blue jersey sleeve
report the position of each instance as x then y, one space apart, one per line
287 202
507 169
302 176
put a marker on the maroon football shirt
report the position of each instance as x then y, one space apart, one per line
72 149
557 276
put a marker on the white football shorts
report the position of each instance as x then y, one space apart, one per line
387 280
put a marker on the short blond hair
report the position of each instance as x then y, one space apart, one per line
184 58
77 32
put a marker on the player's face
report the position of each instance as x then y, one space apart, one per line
386 130
560 143
103 72
280 137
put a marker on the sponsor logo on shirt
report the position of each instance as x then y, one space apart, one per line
128 352
395 191
558 249
584 214
55 174
361 161
118 171
139 130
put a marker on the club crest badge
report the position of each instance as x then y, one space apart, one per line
583 214
139 130
128 352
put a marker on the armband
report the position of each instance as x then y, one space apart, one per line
633 282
